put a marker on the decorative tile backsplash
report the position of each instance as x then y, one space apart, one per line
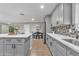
62 28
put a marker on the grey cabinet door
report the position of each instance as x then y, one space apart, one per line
27 47
1 47
8 47
19 49
71 52
1 50
53 45
49 40
60 49
9 51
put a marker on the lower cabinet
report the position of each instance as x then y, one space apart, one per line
14 47
9 51
1 50
59 49
27 47
19 50
56 48
71 52
1 47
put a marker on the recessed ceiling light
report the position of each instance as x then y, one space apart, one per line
42 6
9 23
33 19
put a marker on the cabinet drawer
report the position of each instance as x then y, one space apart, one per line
14 41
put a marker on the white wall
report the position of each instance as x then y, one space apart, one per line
33 27
24 28
27 28
4 28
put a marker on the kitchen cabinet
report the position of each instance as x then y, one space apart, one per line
53 46
14 47
48 41
19 50
27 47
71 52
1 47
9 51
59 49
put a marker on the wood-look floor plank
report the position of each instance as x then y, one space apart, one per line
39 49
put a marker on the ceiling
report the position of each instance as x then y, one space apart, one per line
10 12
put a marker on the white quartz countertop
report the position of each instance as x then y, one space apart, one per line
15 36
60 38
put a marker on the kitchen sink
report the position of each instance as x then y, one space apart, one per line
69 40
72 41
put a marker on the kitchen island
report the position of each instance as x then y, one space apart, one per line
14 45
61 45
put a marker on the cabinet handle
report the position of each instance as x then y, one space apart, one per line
47 38
50 43
12 45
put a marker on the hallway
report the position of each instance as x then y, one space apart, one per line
39 49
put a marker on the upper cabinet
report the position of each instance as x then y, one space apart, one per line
62 14
57 15
67 13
